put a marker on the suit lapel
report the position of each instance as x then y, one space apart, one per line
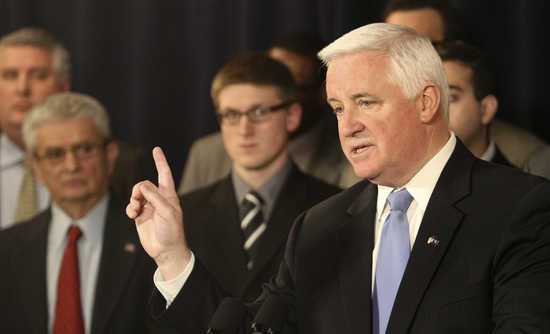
118 257
354 256
440 222
223 234
32 275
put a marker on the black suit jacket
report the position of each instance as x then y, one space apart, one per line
489 272
123 286
212 229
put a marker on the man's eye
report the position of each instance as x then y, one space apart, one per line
364 103
338 111
232 115
85 148
9 75
56 153
41 74
453 98
259 112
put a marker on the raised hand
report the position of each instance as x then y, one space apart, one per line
159 222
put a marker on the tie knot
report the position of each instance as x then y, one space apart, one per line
253 198
400 200
74 233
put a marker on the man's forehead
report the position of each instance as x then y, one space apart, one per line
13 55
67 132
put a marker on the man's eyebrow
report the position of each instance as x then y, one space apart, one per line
358 95
354 96
455 87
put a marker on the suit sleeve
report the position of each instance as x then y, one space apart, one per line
197 301
521 271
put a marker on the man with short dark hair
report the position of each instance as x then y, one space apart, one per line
246 216
313 146
437 20
472 100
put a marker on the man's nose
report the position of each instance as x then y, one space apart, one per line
23 85
349 123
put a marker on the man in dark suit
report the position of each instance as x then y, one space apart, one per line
473 103
433 241
77 267
255 136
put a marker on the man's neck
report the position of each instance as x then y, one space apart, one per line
78 209
258 177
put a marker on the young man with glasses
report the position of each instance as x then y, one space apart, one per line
54 263
238 225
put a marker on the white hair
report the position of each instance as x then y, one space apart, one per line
413 60
62 107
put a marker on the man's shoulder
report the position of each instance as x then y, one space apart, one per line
313 183
213 140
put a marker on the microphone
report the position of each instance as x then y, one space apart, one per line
272 315
228 317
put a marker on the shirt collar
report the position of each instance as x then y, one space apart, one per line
91 225
268 191
10 154
422 183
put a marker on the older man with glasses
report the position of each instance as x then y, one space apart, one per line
54 263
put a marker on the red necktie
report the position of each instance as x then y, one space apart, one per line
68 309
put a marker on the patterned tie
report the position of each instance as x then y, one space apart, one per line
252 224
27 202
68 309
393 255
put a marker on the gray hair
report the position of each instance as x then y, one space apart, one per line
62 107
413 59
42 39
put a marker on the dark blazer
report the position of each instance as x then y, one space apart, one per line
212 228
489 272
123 287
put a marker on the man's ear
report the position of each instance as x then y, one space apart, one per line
428 103
489 107
293 117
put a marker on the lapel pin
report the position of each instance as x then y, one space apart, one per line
432 241
130 247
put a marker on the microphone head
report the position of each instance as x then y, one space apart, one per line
228 317
272 314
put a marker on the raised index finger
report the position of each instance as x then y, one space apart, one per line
165 179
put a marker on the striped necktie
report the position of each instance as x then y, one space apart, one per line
252 225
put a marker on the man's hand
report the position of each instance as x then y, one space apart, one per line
159 222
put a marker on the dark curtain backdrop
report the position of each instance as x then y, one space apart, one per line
151 61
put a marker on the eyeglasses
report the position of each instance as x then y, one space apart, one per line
254 115
81 151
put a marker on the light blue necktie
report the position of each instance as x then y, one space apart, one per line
393 255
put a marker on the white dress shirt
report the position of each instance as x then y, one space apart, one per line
89 254
12 170
420 187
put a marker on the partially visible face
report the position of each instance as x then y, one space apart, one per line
380 130
427 22
301 67
27 77
465 112
74 179
256 146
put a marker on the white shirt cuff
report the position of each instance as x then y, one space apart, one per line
170 289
